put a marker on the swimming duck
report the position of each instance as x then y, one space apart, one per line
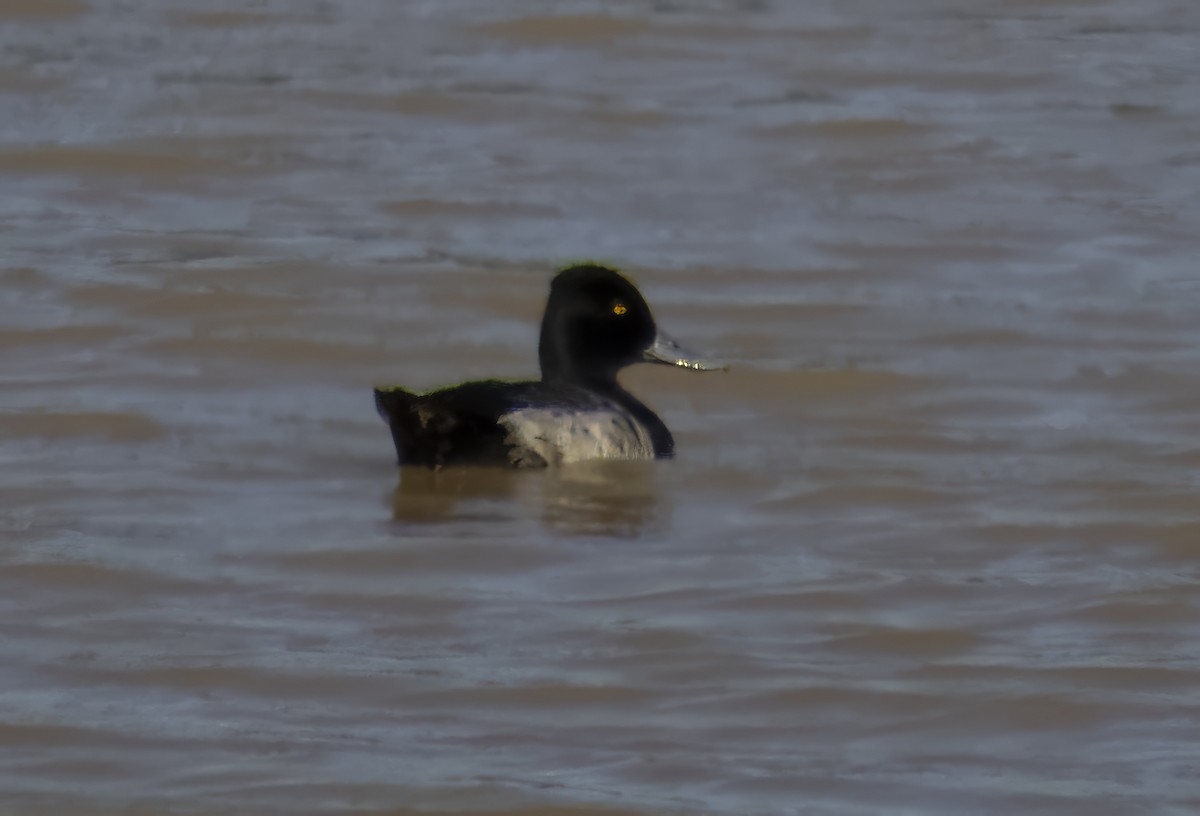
596 323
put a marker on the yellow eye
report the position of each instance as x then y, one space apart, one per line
619 309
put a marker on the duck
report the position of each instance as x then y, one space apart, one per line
596 323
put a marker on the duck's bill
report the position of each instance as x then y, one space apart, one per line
666 351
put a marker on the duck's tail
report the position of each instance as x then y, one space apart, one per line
392 401
396 405
419 429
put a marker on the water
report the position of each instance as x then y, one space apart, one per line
929 547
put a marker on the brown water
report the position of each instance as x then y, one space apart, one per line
930 547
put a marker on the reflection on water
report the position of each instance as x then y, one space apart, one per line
617 499
424 496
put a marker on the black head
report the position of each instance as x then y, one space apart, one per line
596 323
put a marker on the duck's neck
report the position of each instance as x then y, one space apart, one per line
569 367
599 383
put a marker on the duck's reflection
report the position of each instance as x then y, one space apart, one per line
423 495
605 498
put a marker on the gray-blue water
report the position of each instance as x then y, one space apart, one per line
930 547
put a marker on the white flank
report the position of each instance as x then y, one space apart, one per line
558 435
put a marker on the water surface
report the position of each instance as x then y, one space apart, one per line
929 547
